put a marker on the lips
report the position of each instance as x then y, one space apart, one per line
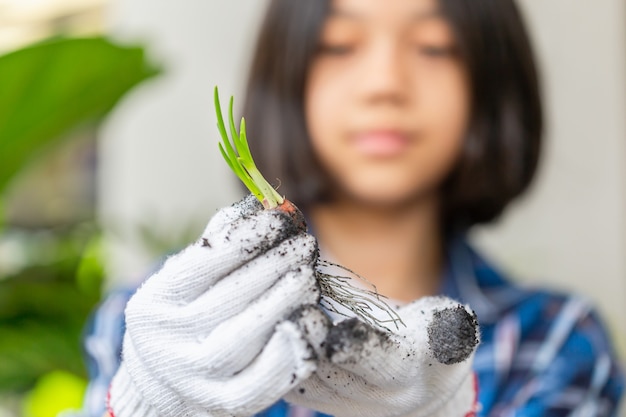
381 143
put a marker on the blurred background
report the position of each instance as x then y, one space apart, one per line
108 160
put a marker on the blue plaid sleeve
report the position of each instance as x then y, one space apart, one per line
550 356
103 345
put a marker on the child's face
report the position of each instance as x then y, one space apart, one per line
387 100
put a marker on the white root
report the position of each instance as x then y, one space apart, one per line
338 290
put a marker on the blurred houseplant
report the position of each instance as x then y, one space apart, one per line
50 276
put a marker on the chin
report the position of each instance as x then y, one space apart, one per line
388 197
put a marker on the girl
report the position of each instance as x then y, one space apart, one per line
397 126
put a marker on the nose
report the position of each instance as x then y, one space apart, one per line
384 74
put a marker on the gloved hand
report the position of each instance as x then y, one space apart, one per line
423 369
206 335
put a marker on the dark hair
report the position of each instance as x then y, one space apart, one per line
504 136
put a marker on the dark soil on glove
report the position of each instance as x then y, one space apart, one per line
452 335
292 224
352 333
294 213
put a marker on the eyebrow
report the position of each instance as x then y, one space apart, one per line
417 16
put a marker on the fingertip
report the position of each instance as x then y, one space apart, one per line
247 206
301 358
453 334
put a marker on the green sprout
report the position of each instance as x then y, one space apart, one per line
361 302
239 159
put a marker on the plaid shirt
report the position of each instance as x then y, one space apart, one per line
541 353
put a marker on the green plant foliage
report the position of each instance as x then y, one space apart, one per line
55 392
238 157
44 304
50 88
50 280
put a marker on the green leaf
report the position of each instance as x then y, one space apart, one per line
44 306
29 349
229 154
239 159
51 88
55 392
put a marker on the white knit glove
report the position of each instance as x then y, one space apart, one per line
206 335
423 369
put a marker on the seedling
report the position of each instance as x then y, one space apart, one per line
339 289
